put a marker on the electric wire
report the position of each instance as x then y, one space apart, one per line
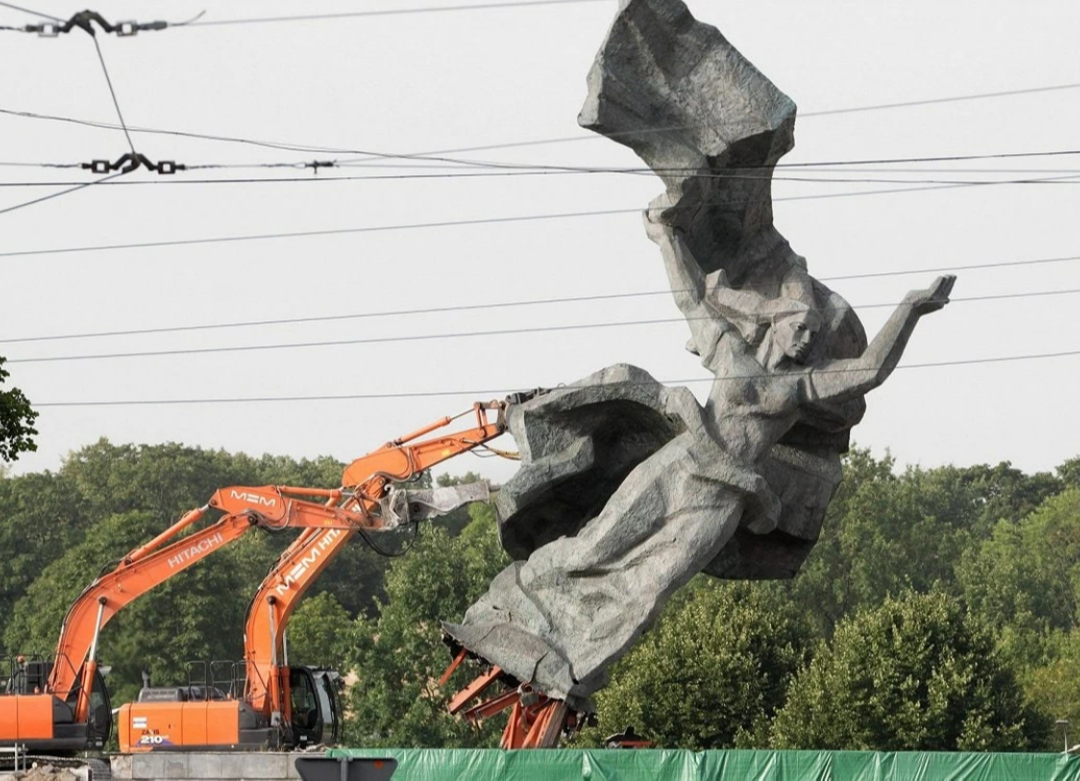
457 334
13 164
490 392
456 223
49 197
392 12
466 169
465 166
112 92
503 304
120 115
285 146
281 146
805 115
933 101
496 174
31 12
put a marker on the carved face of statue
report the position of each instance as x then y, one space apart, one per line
794 334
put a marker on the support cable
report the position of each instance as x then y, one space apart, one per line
170 167
455 223
509 304
806 115
49 197
465 167
394 12
116 103
460 334
30 11
284 146
495 392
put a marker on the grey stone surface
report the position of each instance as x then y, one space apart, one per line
199 766
627 488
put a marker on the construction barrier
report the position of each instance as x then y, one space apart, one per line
676 765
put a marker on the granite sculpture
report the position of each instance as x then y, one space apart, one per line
628 488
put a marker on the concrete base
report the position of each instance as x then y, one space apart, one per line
223 766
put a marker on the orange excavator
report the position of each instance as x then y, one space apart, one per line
62 705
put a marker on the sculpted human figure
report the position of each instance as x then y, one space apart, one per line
628 488
562 617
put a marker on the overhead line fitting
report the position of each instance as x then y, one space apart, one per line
132 161
85 20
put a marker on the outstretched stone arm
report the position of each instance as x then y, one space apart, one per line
684 274
842 380
687 286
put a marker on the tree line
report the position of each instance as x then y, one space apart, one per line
938 611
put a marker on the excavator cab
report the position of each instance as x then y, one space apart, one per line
99 728
45 722
314 706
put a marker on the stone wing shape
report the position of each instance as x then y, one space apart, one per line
712 127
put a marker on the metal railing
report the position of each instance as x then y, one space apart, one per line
17 751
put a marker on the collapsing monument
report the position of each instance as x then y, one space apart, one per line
628 488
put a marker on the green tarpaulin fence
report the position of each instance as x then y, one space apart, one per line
616 765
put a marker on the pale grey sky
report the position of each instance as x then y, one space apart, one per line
426 82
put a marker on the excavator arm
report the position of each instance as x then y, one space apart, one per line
370 479
273 507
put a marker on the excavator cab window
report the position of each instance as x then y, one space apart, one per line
326 684
100 727
307 726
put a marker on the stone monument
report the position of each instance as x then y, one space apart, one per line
628 488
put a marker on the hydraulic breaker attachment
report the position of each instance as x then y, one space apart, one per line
407 506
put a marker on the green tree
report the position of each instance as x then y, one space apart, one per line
166 480
711 674
41 516
1069 472
320 633
400 655
1025 579
16 421
887 532
916 674
1054 688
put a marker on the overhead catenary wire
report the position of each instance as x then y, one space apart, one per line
804 115
467 167
490 392
454 334
82 185
14 164
31 11
285 146
510 304
68 191
1064 179
112 92
393 12
452 223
